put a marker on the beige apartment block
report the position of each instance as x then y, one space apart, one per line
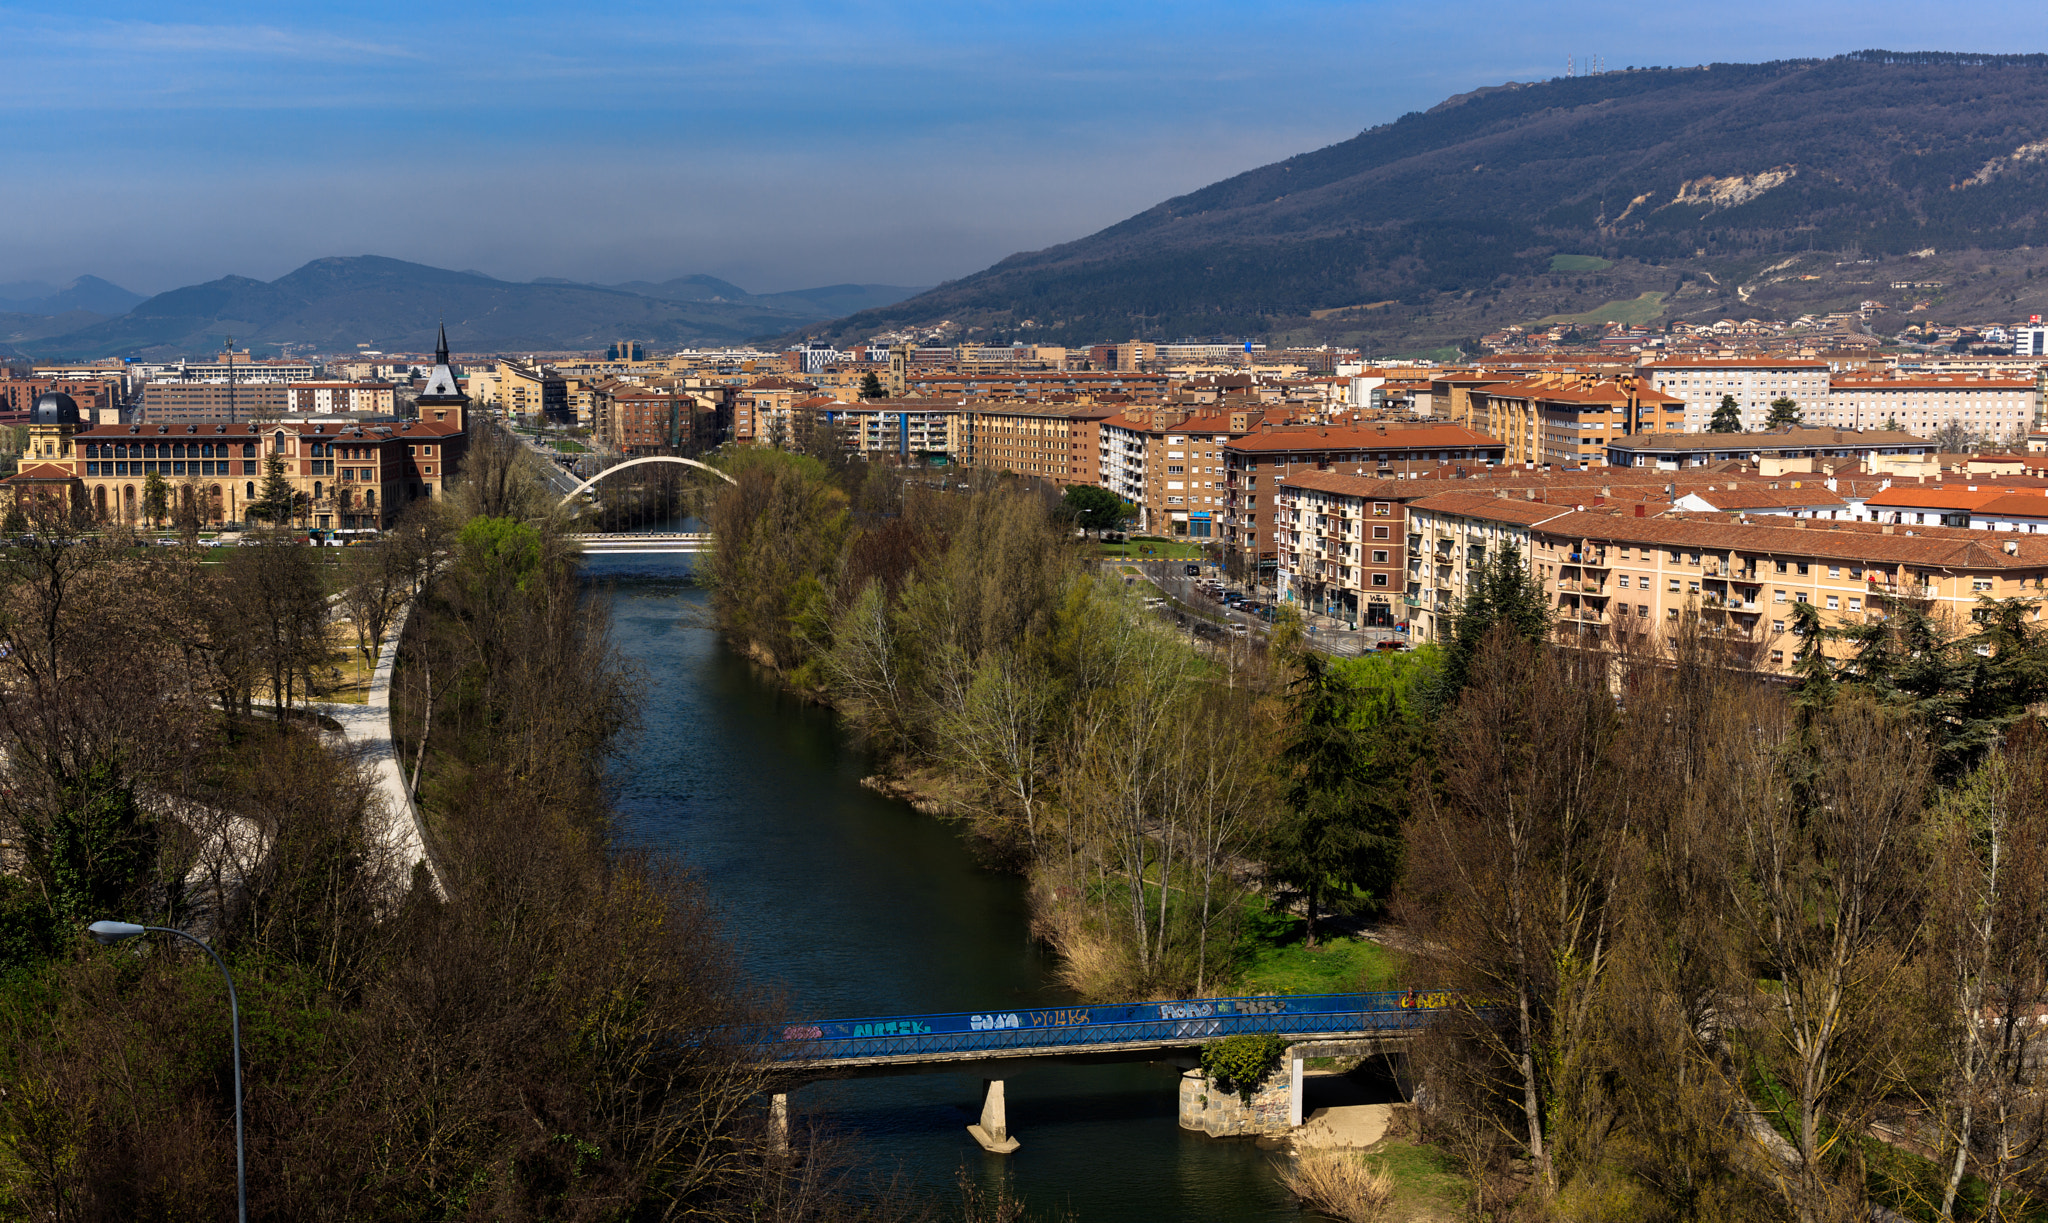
1620 578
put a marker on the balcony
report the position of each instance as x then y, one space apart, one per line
1590 558
1582 585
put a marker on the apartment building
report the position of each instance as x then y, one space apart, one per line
1256 463
1451 537
98 398
1058 442
901 430
1171 463
2002 409
761 413
1342 545
1670 452
1627 577
328 398
527 388
1702 382
1071 387
1570 421
179 402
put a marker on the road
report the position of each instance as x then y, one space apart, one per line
1172 580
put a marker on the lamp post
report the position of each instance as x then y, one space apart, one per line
111 932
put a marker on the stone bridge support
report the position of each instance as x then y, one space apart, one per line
993 1132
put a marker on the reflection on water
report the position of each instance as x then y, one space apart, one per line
856 905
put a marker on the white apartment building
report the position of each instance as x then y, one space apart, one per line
2001 409
1120 457
1702 382
2030 341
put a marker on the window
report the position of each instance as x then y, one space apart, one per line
1802 572
1379 557
1674 585
1855 574
1674 560
1834 603
1382 532
1381 509
1800 597
1643 609
1781 566
1777 626
1671 613
1855 604
1834 571
1694 587
1778 657
1980 584
1379 579
1777 596
1622 581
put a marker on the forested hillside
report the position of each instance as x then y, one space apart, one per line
1673 174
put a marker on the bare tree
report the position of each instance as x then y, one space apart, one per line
1827 895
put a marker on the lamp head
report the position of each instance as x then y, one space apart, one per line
111 932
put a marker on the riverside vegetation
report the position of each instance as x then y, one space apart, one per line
1725 947
558 1034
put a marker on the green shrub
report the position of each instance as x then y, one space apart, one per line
1242 1061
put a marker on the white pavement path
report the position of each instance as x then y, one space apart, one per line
367 728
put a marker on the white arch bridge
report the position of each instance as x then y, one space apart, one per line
607 543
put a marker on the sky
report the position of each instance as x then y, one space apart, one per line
780 144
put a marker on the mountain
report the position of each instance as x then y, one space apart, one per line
828 302
85 293
1642 194
339 303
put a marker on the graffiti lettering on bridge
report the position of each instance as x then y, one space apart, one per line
1059 1019
990 1023
893 1027
803 1032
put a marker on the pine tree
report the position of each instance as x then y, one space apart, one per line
1503 593
871 387
1727 417
1784 413
275 504
156 498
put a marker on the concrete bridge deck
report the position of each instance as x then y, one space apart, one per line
643 542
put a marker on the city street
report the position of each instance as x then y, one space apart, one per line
1171 580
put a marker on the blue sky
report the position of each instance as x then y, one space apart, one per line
780 145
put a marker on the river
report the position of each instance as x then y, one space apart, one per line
856 905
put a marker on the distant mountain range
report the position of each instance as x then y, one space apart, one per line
1640 195
338 304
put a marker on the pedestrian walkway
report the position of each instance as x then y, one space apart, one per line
367 729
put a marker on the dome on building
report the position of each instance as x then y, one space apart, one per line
55 408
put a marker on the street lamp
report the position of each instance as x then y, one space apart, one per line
111 932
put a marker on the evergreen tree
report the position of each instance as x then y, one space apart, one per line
871 387
1784 413
1810 662
156 498
1727 417
1339 836
274 505
1891 424
1503 593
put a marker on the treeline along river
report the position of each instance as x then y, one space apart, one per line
855 905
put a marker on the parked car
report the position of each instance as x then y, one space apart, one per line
1192 570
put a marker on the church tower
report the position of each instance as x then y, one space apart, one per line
443 400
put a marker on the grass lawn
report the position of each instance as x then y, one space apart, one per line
569 447
1168 551
1579 263
1426 1186
1640 310
1275 958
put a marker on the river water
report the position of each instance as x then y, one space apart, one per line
855 905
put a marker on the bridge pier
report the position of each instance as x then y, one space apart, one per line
993 1133
778 1124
